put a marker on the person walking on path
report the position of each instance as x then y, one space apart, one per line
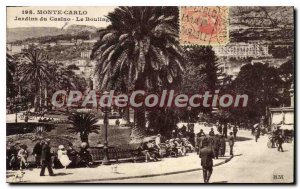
222 146
207 156
37 152
235 130
225 130
280 141
216 146
231 143
257 134
46 159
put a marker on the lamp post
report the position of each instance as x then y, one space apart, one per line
105 110
16 106
189 117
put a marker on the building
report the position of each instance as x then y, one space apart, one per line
242 50
86 54
283 116
16 48
65 43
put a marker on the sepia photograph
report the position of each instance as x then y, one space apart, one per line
150 94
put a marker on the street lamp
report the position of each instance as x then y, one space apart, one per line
105 110
16 106
189 110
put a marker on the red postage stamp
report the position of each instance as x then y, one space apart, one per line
204 25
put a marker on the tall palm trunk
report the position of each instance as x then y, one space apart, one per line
40 95
126 115
138 131
36 98
46 95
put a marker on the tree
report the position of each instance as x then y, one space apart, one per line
141 48
286 73
84 124
201 74
262 84
35 69
10 73
201 70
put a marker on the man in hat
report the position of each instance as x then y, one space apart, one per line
37 151
211 132
235 130
207 155
46 159
225 130
280 141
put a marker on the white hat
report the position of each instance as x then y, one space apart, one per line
61 147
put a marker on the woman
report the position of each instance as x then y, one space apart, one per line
62 156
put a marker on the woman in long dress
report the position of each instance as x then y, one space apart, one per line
62 156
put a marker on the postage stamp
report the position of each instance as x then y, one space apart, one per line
204 25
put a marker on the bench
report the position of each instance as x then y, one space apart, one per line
115 154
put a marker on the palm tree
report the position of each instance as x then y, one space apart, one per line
141 47
35 68
10 72
84 124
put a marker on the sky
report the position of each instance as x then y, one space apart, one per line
37 19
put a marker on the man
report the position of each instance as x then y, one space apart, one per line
225 130
191 127
206 155
280 140
46 159
211 132
117 122
200 137
216 145
222 146
37 151
235 130
257 134
231 143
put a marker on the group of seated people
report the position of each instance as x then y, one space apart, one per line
17 155
71 158
154 150
178 147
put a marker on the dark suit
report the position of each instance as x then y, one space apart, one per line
225 131
37 151
216 146
231 143
206 155
46 160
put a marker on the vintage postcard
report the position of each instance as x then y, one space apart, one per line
201 94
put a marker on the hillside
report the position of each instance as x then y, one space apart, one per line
18 34
15 34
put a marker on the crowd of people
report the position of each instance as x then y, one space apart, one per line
16 156
213 146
